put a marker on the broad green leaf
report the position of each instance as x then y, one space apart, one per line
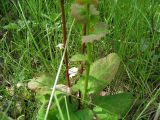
117 104
51 115
104 70
41 98
78 57
41 112
85 114
72 108
99 31
104 115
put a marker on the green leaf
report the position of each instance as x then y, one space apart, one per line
104 70
94 85
117 104
51 115
85 114
104 115
78 57
3 116
72 107
41 112
11 26
79 12
100 30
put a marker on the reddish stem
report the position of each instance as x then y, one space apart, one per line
64 42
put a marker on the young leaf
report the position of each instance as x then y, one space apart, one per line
93 10
104 71
117 104
79 12
98 34
78 57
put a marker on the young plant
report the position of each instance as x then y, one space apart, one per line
92 81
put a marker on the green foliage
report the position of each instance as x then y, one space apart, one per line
51 115
86 2
82 13
82 114
19 25
3 116
85 114
104 115
105 69
78 57
41 112
102 72
79 12
117 104
11 26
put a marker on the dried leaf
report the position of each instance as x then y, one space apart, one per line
41 84
63 88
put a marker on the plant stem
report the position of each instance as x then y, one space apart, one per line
64 42
83 47
84 31
89 47
87 71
